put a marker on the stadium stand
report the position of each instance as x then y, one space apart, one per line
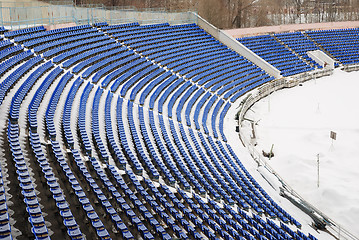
276 54
122 126
342 44
300 44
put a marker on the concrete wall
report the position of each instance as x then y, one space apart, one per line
243 32
232 43
14 17
322 59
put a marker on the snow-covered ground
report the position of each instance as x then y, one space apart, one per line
298 122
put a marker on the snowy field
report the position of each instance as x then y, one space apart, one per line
298 122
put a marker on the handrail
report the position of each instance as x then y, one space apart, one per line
286 190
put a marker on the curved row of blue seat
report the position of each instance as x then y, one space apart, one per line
227 89
133 28
174 85
81 121
101 231
51 108
7 51
3 30
90 212
176 94
49 45
160 88
171 152
132 160
35 217
15 33
4 44
222 59
5 227
68 47
73 230
179 215
134 75
119 26
8 82
33 35
38 226
191 103
82 57
300 44
221 120
341 43
214 117
169 163
136 28
75 52
182 51
104 61
95 129
222 77
24 89
207 177
247 88
152 48
148 166
85 62
169 179
116 219
154 76
117 68
145 32
182 101
235 89
275 53
100 24
199 180
147 40
66 115
44 38
198 108
131 215
239 76
113 147
81 197
36 100
187 61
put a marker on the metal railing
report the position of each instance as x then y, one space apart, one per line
332 227
22 15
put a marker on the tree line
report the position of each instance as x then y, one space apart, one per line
228 14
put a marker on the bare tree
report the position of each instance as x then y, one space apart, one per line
237 11
214 12
250 13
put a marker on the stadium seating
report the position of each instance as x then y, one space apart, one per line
121 127
300 44
276 54
342 44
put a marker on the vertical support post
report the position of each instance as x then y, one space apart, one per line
11 20
268 102
318 169
1 9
